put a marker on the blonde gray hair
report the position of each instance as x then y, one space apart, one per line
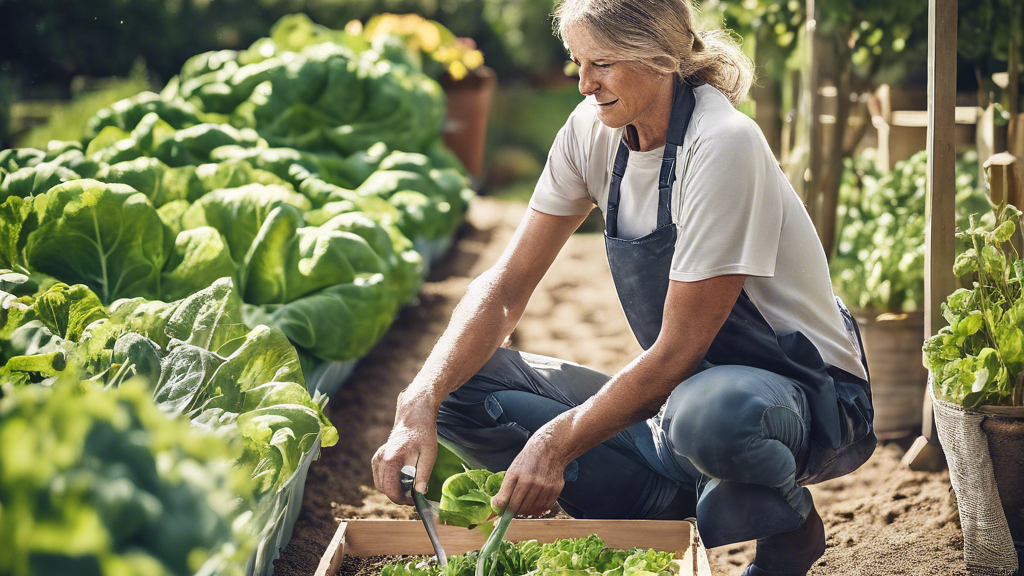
658 31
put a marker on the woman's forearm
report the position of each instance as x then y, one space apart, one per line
694 313
634 394
481 322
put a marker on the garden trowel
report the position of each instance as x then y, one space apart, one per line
425 510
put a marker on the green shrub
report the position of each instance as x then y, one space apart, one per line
879 260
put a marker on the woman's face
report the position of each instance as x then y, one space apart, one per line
625 91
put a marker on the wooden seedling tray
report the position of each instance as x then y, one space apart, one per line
393 537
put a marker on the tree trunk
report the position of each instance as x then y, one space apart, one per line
832 173
810 84
766 94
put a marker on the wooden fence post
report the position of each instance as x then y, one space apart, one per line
939 280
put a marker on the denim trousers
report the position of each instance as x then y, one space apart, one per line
725 448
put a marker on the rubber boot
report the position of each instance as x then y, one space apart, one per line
790 553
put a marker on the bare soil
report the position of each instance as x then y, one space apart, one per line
880 520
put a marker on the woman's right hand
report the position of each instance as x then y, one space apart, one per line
413 441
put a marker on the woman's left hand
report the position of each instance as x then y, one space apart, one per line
534 480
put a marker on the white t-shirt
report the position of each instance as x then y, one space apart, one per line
734 211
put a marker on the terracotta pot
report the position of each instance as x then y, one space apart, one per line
1005 434
465 129
892 344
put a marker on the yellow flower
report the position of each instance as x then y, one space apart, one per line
445 54
354 27
457 70
430 38
473 59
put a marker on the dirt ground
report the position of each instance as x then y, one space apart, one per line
881 520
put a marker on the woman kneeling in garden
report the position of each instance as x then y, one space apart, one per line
752 382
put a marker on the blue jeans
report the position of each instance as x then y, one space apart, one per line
726 447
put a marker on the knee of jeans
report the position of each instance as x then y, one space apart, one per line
716 431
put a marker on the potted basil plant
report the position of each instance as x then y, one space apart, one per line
976 366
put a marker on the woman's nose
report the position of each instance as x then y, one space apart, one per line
587 83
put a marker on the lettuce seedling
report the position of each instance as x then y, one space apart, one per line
466 497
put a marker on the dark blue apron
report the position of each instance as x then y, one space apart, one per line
842 436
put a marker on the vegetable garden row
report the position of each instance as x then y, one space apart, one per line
223 251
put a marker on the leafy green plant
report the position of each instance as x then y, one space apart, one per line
299 91
879 260
173 231
201 182
979 357
197 356
577 556
466 497
102 482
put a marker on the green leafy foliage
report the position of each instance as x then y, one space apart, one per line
197 356
874 35
299 91
190 241
244 223
466 497
879 260
102 482
34 180
978 358
566 557
117 246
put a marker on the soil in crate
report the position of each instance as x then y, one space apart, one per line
368 565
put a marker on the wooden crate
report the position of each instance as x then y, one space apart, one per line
381 537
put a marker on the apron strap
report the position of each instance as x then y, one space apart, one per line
618 170
683 102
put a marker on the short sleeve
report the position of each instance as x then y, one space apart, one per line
561 190
731 216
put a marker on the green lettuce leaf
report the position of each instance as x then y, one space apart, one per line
358 311
199 257
160 183
106 236
210 319
36 180
239 213
288 261
13 213
466 497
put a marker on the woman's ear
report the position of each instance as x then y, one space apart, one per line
661 63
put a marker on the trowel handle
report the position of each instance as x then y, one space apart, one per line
407 479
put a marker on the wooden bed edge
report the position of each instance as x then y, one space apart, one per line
335 553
